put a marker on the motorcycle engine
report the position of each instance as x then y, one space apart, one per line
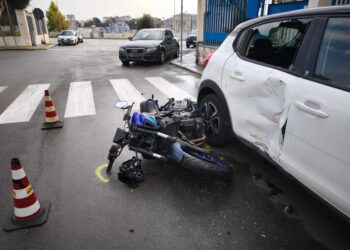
184 119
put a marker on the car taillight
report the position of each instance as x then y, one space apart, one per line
207 59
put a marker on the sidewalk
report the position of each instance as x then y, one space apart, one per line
40 47
189 63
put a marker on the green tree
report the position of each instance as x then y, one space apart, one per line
132 24
18 4
14 4
57 21
146 21
94 21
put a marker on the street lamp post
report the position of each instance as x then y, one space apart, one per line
182 19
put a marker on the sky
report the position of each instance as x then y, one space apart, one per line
84 9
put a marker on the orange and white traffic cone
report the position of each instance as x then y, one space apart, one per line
51 118
27 210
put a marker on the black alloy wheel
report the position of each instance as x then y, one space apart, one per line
214 116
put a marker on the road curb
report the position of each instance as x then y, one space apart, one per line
186 68
29 48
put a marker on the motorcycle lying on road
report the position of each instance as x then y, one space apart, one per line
172 132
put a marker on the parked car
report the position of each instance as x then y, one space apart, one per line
149 45
191 39
67 37
281 84
80 36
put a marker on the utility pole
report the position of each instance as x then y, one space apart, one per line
11 24
182 20
174 23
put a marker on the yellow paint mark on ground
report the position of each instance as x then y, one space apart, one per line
99 174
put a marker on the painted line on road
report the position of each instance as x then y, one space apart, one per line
24 106
80 100
169 89
189 79
99 174
126 91
2 88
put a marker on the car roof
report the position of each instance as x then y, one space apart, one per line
320 11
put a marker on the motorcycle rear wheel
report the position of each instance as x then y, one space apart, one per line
205 164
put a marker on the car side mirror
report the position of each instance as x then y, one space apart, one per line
130 38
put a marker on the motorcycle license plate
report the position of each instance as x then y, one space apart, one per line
119 135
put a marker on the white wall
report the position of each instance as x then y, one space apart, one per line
200 19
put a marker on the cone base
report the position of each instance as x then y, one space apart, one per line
47 125
11 224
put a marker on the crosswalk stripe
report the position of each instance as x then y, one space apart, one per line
189 79
2 88
24 106
126 91
80 100
169 89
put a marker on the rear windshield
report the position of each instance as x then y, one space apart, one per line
149 35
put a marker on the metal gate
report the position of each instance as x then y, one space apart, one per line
220 18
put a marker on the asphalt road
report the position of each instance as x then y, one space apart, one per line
262 208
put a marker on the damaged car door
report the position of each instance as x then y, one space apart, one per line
317 135
258 80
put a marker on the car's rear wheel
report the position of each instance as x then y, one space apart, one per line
214 115
177 53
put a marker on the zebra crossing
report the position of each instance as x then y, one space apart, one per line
80 99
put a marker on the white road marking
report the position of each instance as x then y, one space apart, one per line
24 106
126 91
80 100
2 89
169 89
190 80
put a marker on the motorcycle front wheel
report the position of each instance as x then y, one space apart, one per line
206 164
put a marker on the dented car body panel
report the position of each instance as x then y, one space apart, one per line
278 103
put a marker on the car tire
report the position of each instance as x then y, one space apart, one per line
214 115
82 41
177 53
125 63
162 57
187 46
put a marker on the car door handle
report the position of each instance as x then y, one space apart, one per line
237 75
311 110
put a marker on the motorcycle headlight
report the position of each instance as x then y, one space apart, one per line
151 49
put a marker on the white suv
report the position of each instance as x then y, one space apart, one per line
282 83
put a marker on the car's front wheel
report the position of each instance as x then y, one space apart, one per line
214 115
162 57
125 63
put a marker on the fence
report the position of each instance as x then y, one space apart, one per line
220 18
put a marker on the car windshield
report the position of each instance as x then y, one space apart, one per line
67 33
149 35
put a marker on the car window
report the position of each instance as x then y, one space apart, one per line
149 35
67 33
169 33
333 62
277 43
